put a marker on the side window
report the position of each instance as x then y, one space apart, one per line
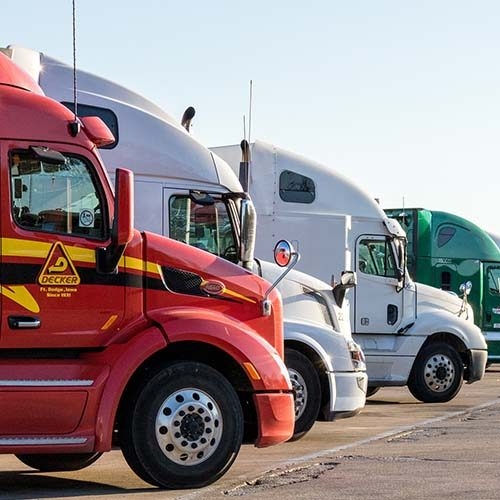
55 197
376 257
296 188
106 115
206 226
494 280
445 234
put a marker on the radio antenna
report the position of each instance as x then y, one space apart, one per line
74 127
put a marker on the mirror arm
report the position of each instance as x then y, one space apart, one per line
107 258
339 294
266 303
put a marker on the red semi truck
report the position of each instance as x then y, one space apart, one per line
113 337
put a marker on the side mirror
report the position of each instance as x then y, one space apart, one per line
283 252
465 288
400 274
248 233
123 223
284 255
122 230
348 280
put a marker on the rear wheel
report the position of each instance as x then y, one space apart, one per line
183 427
306 390
437 373
45 462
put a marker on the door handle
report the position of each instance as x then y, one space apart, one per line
24 322
392 314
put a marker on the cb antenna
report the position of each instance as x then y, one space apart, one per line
74 127
244 172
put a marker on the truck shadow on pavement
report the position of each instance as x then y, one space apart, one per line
24 484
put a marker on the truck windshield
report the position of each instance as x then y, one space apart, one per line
206 226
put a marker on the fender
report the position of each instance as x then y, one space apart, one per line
441 321
301 333
330 345
243 344
295 332
123 361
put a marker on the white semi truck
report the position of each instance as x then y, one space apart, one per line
411 334
186 192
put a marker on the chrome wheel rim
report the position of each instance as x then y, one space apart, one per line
189 426
299 392
439 373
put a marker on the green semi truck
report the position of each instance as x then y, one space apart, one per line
445 251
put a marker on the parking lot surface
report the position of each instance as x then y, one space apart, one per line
396 447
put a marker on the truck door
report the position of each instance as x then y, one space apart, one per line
54 216
378 307
491 308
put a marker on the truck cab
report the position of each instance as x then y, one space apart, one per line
403 327
191 195
114 337
446 251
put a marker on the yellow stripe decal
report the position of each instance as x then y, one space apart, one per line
20 295
13 247
25 248
237 295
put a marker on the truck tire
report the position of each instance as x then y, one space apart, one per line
437 373
48 462
183 426
306 391
372 390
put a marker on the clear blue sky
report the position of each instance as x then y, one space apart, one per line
401 96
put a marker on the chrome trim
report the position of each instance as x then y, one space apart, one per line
22 441
25 324
45 383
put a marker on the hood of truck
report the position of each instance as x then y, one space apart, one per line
302 306
434 298
182 276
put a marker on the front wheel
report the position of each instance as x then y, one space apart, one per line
437 374
183 427
372 390
306 390
48 462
